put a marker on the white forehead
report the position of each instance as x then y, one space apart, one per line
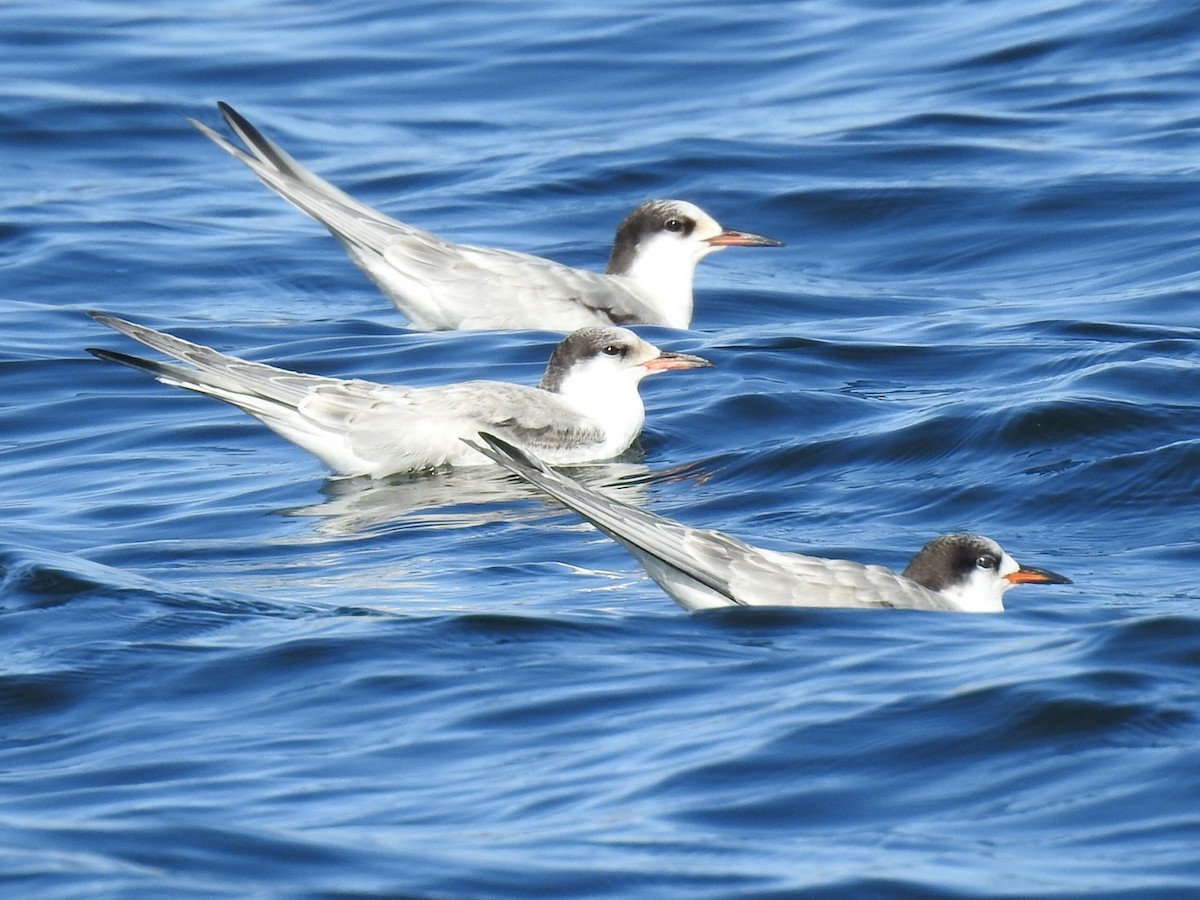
706 225
683 208
639 352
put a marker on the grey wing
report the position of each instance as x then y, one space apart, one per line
225 377
436 283
703 569
269 159
659 544
774 578
309 193
435 421
310 410
478 287
358 427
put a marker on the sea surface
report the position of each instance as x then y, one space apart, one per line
225 674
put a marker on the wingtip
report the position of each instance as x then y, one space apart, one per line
496 443
203 128
506 454
474 445
116 323
488 447
237 121
113 356
515 453
227 112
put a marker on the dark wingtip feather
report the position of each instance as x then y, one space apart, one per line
239 123
157 369
105 319
231 115
507 455
134 362
514 453
255 139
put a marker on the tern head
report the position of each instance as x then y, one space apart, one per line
666 234
602 358
973 572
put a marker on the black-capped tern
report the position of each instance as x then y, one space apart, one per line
707 569
440 285
586 408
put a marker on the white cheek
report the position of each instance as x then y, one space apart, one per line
705 231
601 381
982 592
668 256
605 393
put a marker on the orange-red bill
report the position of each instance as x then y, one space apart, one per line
1030 575
668 360
743 239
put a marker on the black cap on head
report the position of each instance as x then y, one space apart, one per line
585 343
650 218
950 558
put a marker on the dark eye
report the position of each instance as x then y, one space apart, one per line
613 350
986 562
675 225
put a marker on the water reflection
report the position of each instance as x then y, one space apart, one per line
464 498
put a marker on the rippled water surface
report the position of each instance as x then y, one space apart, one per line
224 674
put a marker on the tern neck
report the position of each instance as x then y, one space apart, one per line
668 293
659 269
614 405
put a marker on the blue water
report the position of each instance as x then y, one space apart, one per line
225 675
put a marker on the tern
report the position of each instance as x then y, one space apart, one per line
586 408
442 286
703 569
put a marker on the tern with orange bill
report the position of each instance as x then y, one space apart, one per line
586 408
703 569
440 285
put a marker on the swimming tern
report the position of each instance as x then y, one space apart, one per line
706 569
440 285
586 408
